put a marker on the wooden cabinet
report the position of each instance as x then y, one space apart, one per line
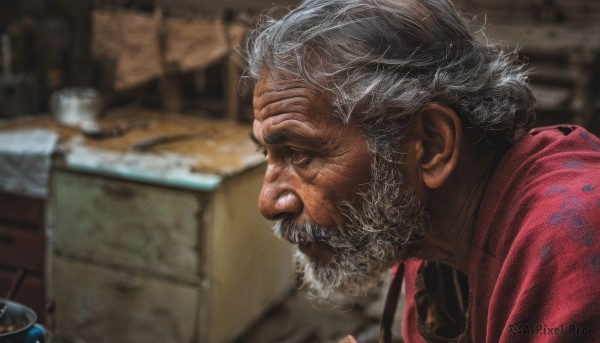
22 248
140 262
130 225
119 305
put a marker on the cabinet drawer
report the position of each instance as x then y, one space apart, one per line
21 249
21 212
106 305
118 223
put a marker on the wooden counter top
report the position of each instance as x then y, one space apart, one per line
154 147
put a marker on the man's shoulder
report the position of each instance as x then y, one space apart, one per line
558 192
539 260
553 152
548 180
550 216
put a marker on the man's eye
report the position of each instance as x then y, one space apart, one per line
300 157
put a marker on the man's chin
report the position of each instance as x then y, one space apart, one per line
324 278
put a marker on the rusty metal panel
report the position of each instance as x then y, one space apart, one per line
107 305
125 224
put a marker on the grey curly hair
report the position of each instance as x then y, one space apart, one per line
380 61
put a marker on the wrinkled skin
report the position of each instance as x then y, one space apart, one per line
314 162
352 215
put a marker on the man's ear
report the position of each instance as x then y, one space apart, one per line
438 132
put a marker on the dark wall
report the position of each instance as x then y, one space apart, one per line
578 12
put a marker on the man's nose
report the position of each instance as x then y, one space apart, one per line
276 200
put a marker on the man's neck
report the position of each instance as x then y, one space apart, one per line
453 209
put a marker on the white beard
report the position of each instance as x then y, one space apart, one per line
384 228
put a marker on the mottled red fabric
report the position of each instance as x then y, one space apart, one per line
534 274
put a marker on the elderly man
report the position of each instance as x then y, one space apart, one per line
392 134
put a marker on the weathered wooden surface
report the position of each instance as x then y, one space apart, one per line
97 304
140 227
145 242
248 267
213 242
234 66
195 43
133 40
211 147
207 7
573 49
581 12
218 147
547 38
203 8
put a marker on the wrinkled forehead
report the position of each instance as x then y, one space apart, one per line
278 94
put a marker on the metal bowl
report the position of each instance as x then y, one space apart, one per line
22 319
76 106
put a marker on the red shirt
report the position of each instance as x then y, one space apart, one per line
534 274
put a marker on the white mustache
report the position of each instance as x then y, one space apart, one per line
310 233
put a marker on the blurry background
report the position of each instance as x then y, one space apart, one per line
128 183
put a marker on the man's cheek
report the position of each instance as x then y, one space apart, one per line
324 211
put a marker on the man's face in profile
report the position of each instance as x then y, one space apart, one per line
351 214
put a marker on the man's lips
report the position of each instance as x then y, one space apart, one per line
316 249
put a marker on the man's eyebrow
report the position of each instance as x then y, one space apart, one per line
279 137
283 136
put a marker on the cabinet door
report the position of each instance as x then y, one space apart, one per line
22 246
125 224
97 304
